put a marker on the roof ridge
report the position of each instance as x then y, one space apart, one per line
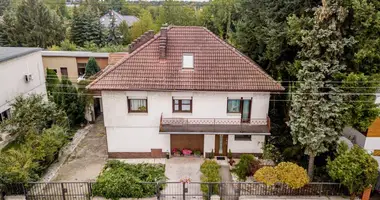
118 63
237 52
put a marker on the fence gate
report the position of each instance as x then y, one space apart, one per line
59 191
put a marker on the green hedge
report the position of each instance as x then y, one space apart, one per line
121 180
210 173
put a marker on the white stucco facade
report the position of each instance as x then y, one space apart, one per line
139 132
12 78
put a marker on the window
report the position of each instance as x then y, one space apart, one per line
64 72
233 105
137 105
188 61
182 105
5 115
242 137
81 69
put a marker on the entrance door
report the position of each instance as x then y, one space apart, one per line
246 111
221 142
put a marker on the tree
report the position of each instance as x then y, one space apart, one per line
123 28
218 16
355 169
67 98
114 35
144 24
52 81
360 97
42 30
316 118
176 13
92 67
4 4
33 113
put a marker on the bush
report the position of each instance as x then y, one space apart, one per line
121 180
28 161
286 172
247 166
292 175
210 173
355 169
266 175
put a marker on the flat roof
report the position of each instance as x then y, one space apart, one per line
74 54
8 53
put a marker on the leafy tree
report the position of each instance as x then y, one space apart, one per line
65 45
4 4
355 169
123 28
316 118
365 28
218 16
67 98
33 113
131 9
361 95
144 24
92 67
52 81
247 166
176 13
42 30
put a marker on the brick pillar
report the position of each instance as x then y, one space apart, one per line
367 193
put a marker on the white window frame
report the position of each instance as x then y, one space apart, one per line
188 57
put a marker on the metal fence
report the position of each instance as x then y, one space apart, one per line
173 190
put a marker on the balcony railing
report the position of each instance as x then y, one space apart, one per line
219 125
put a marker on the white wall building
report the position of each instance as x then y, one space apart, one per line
185 89
21 73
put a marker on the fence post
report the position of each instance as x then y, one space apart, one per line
63 191
220 189
158 191
25 192
2 195
209 191
89 190
184 190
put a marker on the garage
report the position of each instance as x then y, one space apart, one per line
187 141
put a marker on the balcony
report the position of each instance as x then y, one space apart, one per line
214 125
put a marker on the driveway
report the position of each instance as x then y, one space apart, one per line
89 157
179 168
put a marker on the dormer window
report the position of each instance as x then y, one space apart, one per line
188 61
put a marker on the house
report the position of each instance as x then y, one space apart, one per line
72 64
105 20
21 73
184 88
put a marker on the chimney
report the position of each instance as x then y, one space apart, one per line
141 40
163 41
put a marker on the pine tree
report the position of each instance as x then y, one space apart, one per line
113 32
92 67
123 28
4 4
316 117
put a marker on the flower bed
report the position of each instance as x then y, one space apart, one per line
186 152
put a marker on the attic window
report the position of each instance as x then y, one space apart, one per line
188 61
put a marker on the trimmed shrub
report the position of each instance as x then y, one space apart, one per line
292 175
286 172
121 180
247 166
210 173
267 175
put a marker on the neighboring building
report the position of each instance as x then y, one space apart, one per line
72 64
21 73
370 140
105 20
184 88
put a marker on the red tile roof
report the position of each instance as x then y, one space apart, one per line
113 58
217 66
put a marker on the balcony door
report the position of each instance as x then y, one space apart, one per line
246 110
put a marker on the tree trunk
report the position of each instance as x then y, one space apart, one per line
352 196
310 168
